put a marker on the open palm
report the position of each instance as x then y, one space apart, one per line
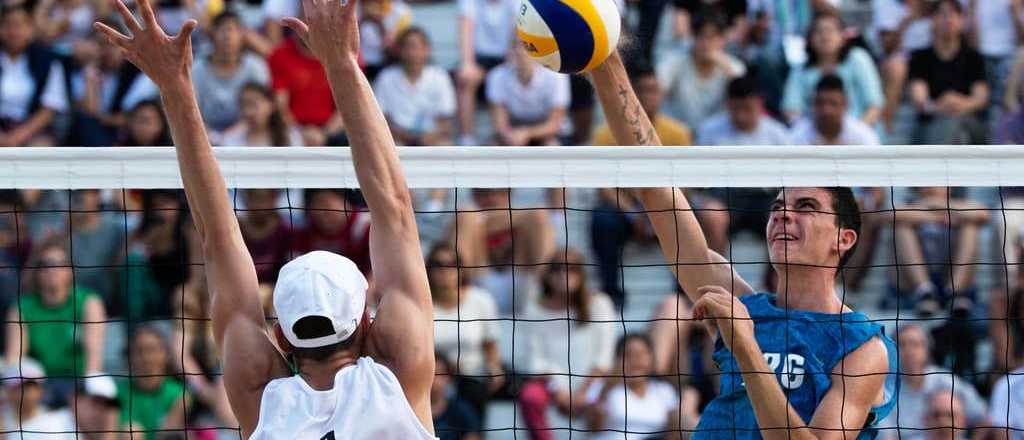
163 58
329 30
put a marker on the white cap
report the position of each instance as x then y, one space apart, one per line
100 386
320 284
28 370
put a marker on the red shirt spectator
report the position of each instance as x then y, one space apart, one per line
298 75
336 225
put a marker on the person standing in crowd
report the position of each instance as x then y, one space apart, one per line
220 77
947 83
34 87
262 123
486 35
417 97
58 323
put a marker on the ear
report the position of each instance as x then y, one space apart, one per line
282 342
847 238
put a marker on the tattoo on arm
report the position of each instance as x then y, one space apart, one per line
632 113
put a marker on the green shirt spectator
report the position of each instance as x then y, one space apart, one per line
54 332
152 400
146 409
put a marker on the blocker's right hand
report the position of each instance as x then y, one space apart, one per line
330 29
164 59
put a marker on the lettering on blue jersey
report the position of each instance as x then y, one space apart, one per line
792 371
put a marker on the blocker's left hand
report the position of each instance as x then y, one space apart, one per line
330 29
730 315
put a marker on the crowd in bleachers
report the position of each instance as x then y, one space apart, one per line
109 285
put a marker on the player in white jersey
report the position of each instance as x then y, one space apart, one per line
355 381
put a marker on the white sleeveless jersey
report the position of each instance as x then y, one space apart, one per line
366 402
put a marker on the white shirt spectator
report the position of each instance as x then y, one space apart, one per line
275 10
371 42
887 15
218 95
460 333
689 96
647 415
854 132
415 106
46 425
80 19
493 24
1008 404
910 413
719 130
237 136
17 87
551 346
996 35
531 102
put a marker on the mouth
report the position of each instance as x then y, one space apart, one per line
784 237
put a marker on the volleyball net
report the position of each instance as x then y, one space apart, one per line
556 314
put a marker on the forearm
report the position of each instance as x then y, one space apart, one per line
776 418
466 40
871 115
550 127
93 332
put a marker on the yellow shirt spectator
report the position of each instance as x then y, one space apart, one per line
671 132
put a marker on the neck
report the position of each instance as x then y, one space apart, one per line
827 63
13 54
638 385
412 72
221 59
914 379
813 289
704 64
320 375
448 298
149 383
28 412
830 132
524 75
948 46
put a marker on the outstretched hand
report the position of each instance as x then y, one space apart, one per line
164 59
330 29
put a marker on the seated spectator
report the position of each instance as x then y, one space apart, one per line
152 401
944 419
684 11
1006 327
34 88
919 381
933 231
1008 394
557 371
303 94
454 418
97 239
744 121
465 329
695 79
62 24
262 123
648 90
528 102
97 409
486 36
995 31
146 126
14 247
335 222
266 233
380 24
831 123
829 53
220 76
162 250
57 323
638 403
25 416
947 83
903 27
417 97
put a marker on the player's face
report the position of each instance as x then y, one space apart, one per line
802 228
639 361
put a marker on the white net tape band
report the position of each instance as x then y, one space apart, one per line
536 167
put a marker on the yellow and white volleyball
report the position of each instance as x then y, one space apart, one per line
569 36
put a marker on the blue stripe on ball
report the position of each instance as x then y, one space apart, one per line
575 40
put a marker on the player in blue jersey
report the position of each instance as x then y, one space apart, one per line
798 363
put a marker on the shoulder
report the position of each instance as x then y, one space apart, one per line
871 358
437 74
603 136
602 305
389 75
922 55
859 132
859 55
499 72
802 132
712 127
673 132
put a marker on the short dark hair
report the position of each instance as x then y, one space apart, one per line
410 32
306 326
743 87
847 211
620 345
11 197
225 17
812 55
954 3
639 70
9 9
710 19
830 83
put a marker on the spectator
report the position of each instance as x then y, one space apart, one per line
97 239
465 329
302 93
151 400
266 233
97 410
57 323
640 406
998 26
590 332
486 31
1008 398
933 231
733 11
34 88
831 122
14 246
63 24
903 27
829 53
262 124
417 98
947 83
945 416
220 76
919 381
335 222
744 121
683 350
648 89
25 416
528 102
381 23
695 80
1006 327
146 126
454 418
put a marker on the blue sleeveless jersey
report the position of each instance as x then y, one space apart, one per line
802 348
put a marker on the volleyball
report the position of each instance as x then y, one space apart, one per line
569 36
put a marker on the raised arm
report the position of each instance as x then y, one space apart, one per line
403 329
250 360
681 238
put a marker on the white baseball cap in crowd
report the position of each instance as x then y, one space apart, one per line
321 286
100 386
25 370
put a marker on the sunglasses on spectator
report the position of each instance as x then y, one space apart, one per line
52 262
